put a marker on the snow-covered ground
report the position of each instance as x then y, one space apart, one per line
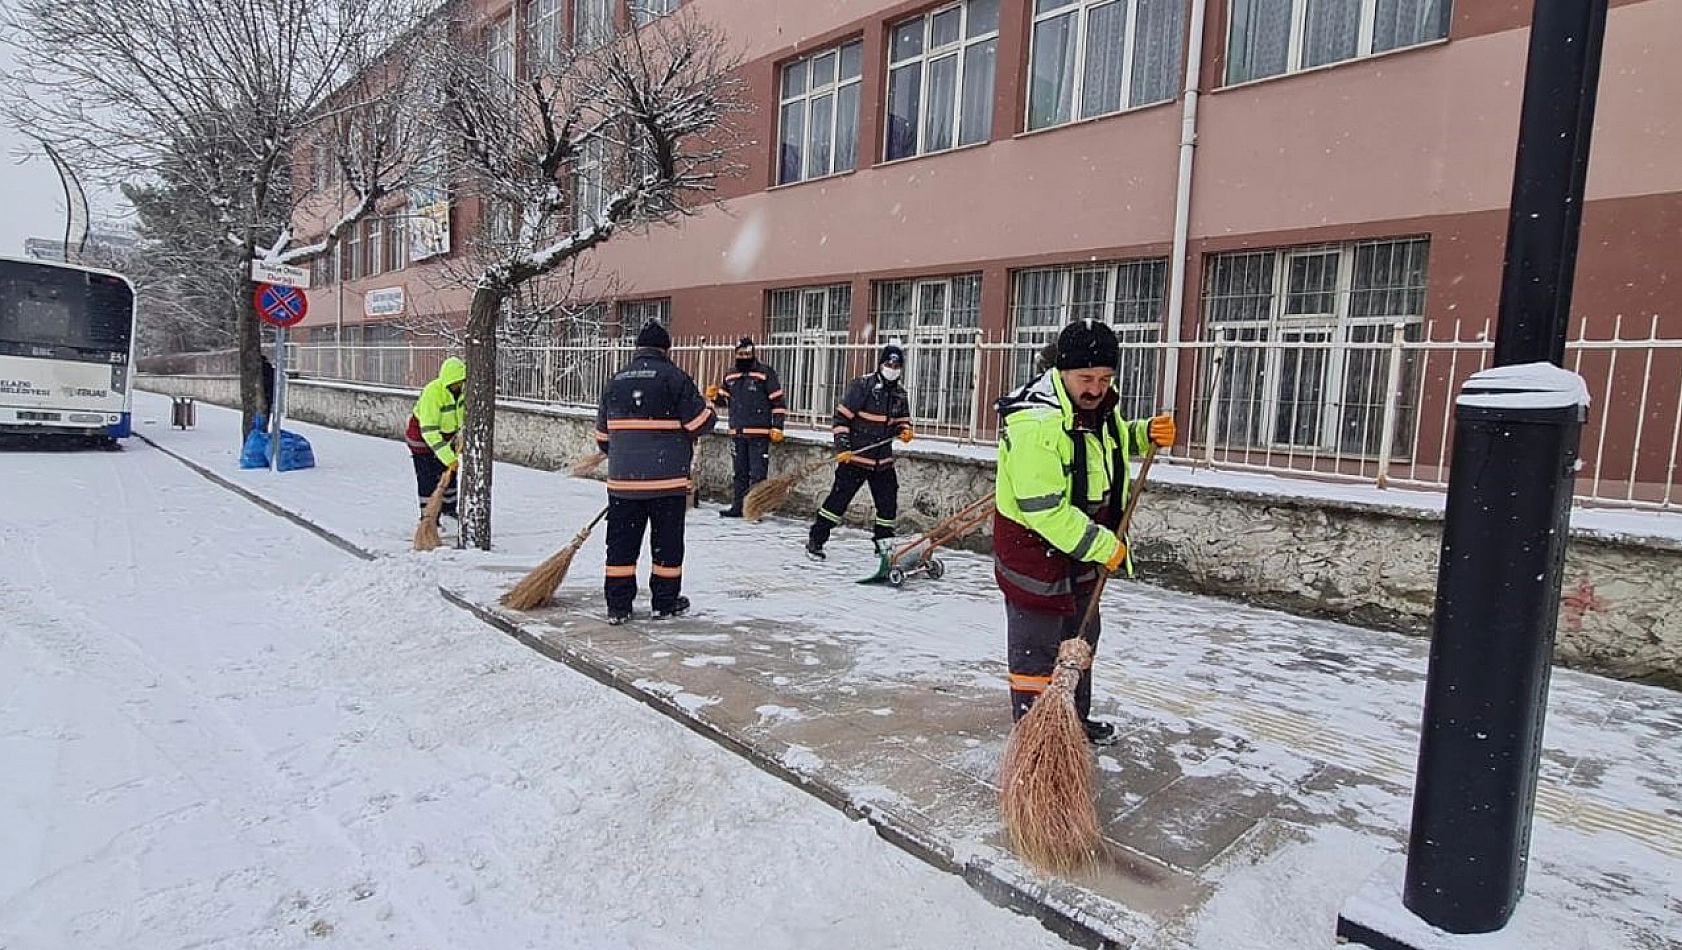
371 693
217 730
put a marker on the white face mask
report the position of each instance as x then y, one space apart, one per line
890 373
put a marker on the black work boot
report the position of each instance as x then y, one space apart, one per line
676 608
1099 733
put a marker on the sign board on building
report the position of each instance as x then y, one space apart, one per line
280 275
384 302
429 230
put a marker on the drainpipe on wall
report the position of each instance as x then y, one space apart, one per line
1182 209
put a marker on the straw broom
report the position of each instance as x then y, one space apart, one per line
536 588
426 533
1047 791
589 463
769 495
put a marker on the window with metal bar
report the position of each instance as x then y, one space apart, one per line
938 321
1127 295
806 335
1304 366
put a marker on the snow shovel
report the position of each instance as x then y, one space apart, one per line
917 555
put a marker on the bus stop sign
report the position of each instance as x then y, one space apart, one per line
281 306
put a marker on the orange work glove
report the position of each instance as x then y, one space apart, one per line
1117 559
1162 431
844 457
906 435
776 435
712 392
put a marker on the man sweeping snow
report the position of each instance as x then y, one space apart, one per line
1062 481
433 425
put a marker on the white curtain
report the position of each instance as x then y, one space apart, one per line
1158 50
1259 40
1332 32
1408 22
1106 49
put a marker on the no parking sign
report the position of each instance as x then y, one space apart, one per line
281 306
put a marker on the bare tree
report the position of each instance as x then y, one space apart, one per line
214 99
591 141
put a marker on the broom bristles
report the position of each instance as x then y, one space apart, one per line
1046 782
536 588
426 533
769 495
589 463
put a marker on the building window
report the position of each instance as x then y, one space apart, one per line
806 335
373 246
396 241
819 115
319 157
351 256
940 79
939 321
543 35
1308 389
634 314
1127 295
590 183
592 22
499 51
321 270
1095 57
644 12
1272 37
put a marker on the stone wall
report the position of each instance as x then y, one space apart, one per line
1366 564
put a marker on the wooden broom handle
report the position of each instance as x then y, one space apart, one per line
1120 532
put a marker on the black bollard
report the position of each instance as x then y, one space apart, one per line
1503 550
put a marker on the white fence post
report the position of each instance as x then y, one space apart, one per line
1392 400
1210 425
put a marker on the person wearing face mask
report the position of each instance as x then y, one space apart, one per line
874 408
1062 482
757 413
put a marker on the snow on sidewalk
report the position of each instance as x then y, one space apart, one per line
1267 768
218 730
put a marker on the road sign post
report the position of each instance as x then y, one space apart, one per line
283 306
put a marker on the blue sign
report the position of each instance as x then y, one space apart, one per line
281 306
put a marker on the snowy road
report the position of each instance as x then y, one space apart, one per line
217 730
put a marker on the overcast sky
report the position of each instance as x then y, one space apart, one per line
31 199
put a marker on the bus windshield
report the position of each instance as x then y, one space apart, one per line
64 308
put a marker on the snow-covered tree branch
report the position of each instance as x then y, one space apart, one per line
580 145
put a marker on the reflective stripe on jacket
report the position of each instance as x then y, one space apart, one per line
872 409
438 414
1042 534
755 399
649 417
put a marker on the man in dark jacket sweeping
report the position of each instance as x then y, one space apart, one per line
755 398
1062 483
874 408
650 415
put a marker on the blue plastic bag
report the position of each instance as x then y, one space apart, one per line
295 451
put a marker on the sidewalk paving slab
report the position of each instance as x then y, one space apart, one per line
1265 767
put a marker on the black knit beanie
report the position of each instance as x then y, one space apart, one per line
1087 344
654 335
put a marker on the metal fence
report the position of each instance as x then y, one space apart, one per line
1370 403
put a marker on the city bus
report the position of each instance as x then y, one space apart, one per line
66 351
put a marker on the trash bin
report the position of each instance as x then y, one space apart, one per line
183 412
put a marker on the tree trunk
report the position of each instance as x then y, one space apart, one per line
250 358
478 432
